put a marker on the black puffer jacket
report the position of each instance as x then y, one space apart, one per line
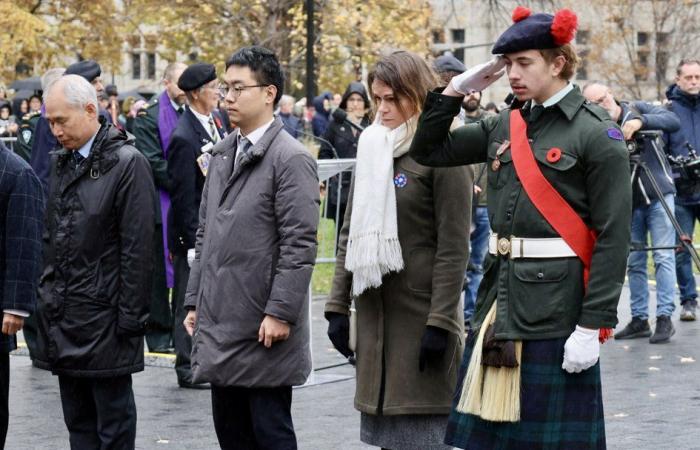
94 291
344 140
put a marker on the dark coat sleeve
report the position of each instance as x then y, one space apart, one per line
23 229
326 152
297 213
607 172
452 196
148 143
339 298
195 267
183 189
44 141
657 118
134 208
435 145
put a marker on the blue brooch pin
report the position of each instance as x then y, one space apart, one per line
615 133
400 180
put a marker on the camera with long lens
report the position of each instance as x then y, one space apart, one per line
686 172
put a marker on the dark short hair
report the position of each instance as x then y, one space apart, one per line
264 65
686 62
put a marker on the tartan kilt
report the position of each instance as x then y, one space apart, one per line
558 410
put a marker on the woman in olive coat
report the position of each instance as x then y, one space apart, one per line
402 252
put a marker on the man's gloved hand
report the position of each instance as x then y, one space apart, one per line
432 346
190 256
339 332
581 350
479 77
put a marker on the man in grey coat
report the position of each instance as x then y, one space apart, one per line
254 254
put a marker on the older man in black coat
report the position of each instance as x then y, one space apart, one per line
21 221
199 128
94 291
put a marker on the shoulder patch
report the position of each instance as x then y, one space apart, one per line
615 133
597 112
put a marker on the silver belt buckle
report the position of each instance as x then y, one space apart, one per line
503 246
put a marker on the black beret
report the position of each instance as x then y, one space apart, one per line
110 90
448 63
87 69
196 76
536 31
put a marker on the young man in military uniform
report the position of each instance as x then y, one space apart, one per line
560 208
199 128
152 128
25 135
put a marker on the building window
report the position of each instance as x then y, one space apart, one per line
136 66
438 36
582 37
661 65
642 38
459 54
151 65
661 39
457 35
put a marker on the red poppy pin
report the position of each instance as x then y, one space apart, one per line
554 154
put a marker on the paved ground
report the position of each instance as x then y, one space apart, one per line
651 392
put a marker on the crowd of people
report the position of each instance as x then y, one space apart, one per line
208 191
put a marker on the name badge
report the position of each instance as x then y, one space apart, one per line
203 162
206 147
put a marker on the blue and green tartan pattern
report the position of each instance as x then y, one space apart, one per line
559 410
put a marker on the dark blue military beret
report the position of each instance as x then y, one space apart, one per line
196 76
448 63
87 69
536 31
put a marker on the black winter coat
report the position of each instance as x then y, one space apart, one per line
344 140
95 287
186 179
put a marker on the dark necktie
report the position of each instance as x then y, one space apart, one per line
213 131
243 147
535 113
78 158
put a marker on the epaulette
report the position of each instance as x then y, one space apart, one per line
597 111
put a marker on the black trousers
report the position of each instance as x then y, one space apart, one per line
160 317
4 395
100 413
181 340
253 418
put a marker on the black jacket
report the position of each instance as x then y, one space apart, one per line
186 179
653 118
95 287
21 222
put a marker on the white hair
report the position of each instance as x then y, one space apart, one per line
287 100
50 77
78 91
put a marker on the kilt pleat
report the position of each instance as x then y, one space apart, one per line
558 410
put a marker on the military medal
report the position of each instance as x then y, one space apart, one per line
496 164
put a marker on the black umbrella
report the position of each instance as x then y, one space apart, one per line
28 84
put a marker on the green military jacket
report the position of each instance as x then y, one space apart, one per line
480 173
25 134
148 143
543 298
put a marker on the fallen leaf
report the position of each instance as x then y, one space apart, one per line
654 357
686 360
621 415
625 347
654 369
652 394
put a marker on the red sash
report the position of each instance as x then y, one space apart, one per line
560 215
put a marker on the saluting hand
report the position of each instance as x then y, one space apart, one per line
272 330
11 324
477 78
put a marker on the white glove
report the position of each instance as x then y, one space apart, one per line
581 350
479 77
190 257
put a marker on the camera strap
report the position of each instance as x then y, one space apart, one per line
553 207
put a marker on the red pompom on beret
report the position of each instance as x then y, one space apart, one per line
520 13
564 26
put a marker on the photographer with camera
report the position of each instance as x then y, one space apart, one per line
684 101
649 215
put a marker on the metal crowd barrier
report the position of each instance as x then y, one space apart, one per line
331 170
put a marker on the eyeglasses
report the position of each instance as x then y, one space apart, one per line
238 90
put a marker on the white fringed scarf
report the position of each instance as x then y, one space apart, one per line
373 248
